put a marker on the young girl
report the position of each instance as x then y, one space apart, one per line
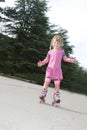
54 71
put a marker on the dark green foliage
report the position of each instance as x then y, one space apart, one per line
29 23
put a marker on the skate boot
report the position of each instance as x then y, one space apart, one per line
43 95
56 100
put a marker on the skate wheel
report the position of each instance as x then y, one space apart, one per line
42 101
57 105
53 103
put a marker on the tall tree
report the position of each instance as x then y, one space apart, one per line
27 20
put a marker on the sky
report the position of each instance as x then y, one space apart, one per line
72 16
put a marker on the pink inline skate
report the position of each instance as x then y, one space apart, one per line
43 95
56 100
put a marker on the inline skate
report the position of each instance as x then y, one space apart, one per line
43 95
56 99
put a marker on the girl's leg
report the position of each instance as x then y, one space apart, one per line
45 87
56 97
57 85
46 83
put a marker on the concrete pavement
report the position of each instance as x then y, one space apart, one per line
20 108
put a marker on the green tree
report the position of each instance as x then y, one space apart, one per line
6 54
29 23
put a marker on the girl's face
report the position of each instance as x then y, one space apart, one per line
56 44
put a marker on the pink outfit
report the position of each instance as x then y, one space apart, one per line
54 70
54 58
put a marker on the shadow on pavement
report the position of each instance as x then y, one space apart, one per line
65 109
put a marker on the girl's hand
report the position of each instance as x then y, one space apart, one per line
73 60
39 63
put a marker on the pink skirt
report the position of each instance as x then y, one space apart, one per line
54 73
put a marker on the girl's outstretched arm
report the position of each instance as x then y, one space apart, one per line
45 61
70 60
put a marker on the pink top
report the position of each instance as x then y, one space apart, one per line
54 58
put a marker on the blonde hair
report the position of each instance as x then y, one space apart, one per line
57 38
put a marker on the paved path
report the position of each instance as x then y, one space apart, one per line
20 108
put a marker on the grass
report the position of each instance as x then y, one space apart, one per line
32 77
